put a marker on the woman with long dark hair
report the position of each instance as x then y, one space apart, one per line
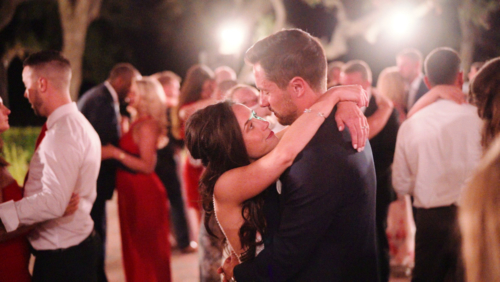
242 157
485 92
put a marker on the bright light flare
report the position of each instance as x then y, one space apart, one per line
232 36
401 23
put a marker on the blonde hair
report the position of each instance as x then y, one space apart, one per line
479 219
391 84
152 101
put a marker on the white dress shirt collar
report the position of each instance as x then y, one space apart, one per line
112 91
60 112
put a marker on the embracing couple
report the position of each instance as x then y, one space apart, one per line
298 205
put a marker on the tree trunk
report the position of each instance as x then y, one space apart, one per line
468 35
76 16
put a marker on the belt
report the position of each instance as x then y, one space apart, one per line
56 251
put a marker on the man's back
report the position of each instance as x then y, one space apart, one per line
327 215
439 147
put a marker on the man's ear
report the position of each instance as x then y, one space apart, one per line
366 84
42 84
460 79
298 86
427 82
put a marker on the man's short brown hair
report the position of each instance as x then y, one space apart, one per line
44 57
290 53
442 66
124 70
358 66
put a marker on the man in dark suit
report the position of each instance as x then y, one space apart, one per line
101 106
409 62
384 125
326 206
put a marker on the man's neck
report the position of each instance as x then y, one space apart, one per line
307 101
56 103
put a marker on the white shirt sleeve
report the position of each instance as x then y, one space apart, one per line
57 159
8 215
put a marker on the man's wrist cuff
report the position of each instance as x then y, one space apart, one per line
8 215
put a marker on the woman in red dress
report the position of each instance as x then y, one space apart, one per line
14 252
142 200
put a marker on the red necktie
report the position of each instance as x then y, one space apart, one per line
38 141
40 137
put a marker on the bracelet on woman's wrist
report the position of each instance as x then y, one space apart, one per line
320 114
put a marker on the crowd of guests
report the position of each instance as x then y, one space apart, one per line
266 183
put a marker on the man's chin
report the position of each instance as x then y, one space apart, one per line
284 120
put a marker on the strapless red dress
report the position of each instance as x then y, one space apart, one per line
14 253
144 221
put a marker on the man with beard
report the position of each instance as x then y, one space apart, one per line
321 219
66 160
101 106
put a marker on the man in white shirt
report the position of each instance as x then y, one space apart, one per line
67 161
436 151
409 62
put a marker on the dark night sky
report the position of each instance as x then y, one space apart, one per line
186 37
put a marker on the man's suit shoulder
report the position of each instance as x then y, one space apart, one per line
95 96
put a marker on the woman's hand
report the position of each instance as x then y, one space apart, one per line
349 114
72 205
348 93
108 152
227 268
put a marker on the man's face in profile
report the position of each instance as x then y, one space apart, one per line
354 78
408 68
278 100
32 93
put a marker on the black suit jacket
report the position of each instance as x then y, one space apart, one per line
422 89
383 147
97 106
326 216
